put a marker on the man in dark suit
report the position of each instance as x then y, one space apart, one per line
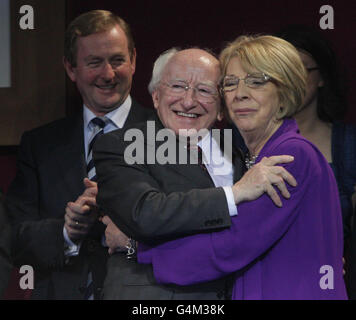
151 200
62 243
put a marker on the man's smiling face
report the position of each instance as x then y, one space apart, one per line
104 69
189 109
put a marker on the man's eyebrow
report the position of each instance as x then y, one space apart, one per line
177 79
92 57
119 54
207 82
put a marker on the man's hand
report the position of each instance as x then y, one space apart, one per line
91 188
114 237
261 178
81 214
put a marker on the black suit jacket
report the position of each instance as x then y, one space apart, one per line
153 203
50 171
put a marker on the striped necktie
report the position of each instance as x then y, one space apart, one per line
99 124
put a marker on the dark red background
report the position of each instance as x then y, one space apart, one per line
159 25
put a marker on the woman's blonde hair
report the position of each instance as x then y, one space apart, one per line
276 58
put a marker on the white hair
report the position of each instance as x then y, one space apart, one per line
159 66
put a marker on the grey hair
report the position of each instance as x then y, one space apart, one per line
159 66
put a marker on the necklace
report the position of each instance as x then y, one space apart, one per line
250 160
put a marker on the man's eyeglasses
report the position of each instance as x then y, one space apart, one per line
204 92
256 80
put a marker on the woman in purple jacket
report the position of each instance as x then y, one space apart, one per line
288 252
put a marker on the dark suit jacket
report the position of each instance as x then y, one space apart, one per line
51 168
350 267
5 248
154 203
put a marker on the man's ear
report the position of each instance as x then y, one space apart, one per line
155 98
133 61
69 69
321 82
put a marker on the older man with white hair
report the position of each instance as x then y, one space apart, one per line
154 202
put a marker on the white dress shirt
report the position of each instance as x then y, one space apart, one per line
214 159
117 121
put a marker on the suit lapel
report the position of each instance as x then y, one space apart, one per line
192 172
137 114
70 156
195 173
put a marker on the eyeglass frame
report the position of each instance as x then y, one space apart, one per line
186 87
266 79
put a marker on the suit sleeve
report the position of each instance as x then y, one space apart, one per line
36 240
258 226
135 202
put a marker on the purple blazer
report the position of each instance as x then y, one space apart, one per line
293 252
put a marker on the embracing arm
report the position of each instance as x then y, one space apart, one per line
136 203
204 257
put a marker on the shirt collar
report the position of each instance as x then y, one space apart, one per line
117 116
214 156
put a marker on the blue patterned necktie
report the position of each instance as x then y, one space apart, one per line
99 124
